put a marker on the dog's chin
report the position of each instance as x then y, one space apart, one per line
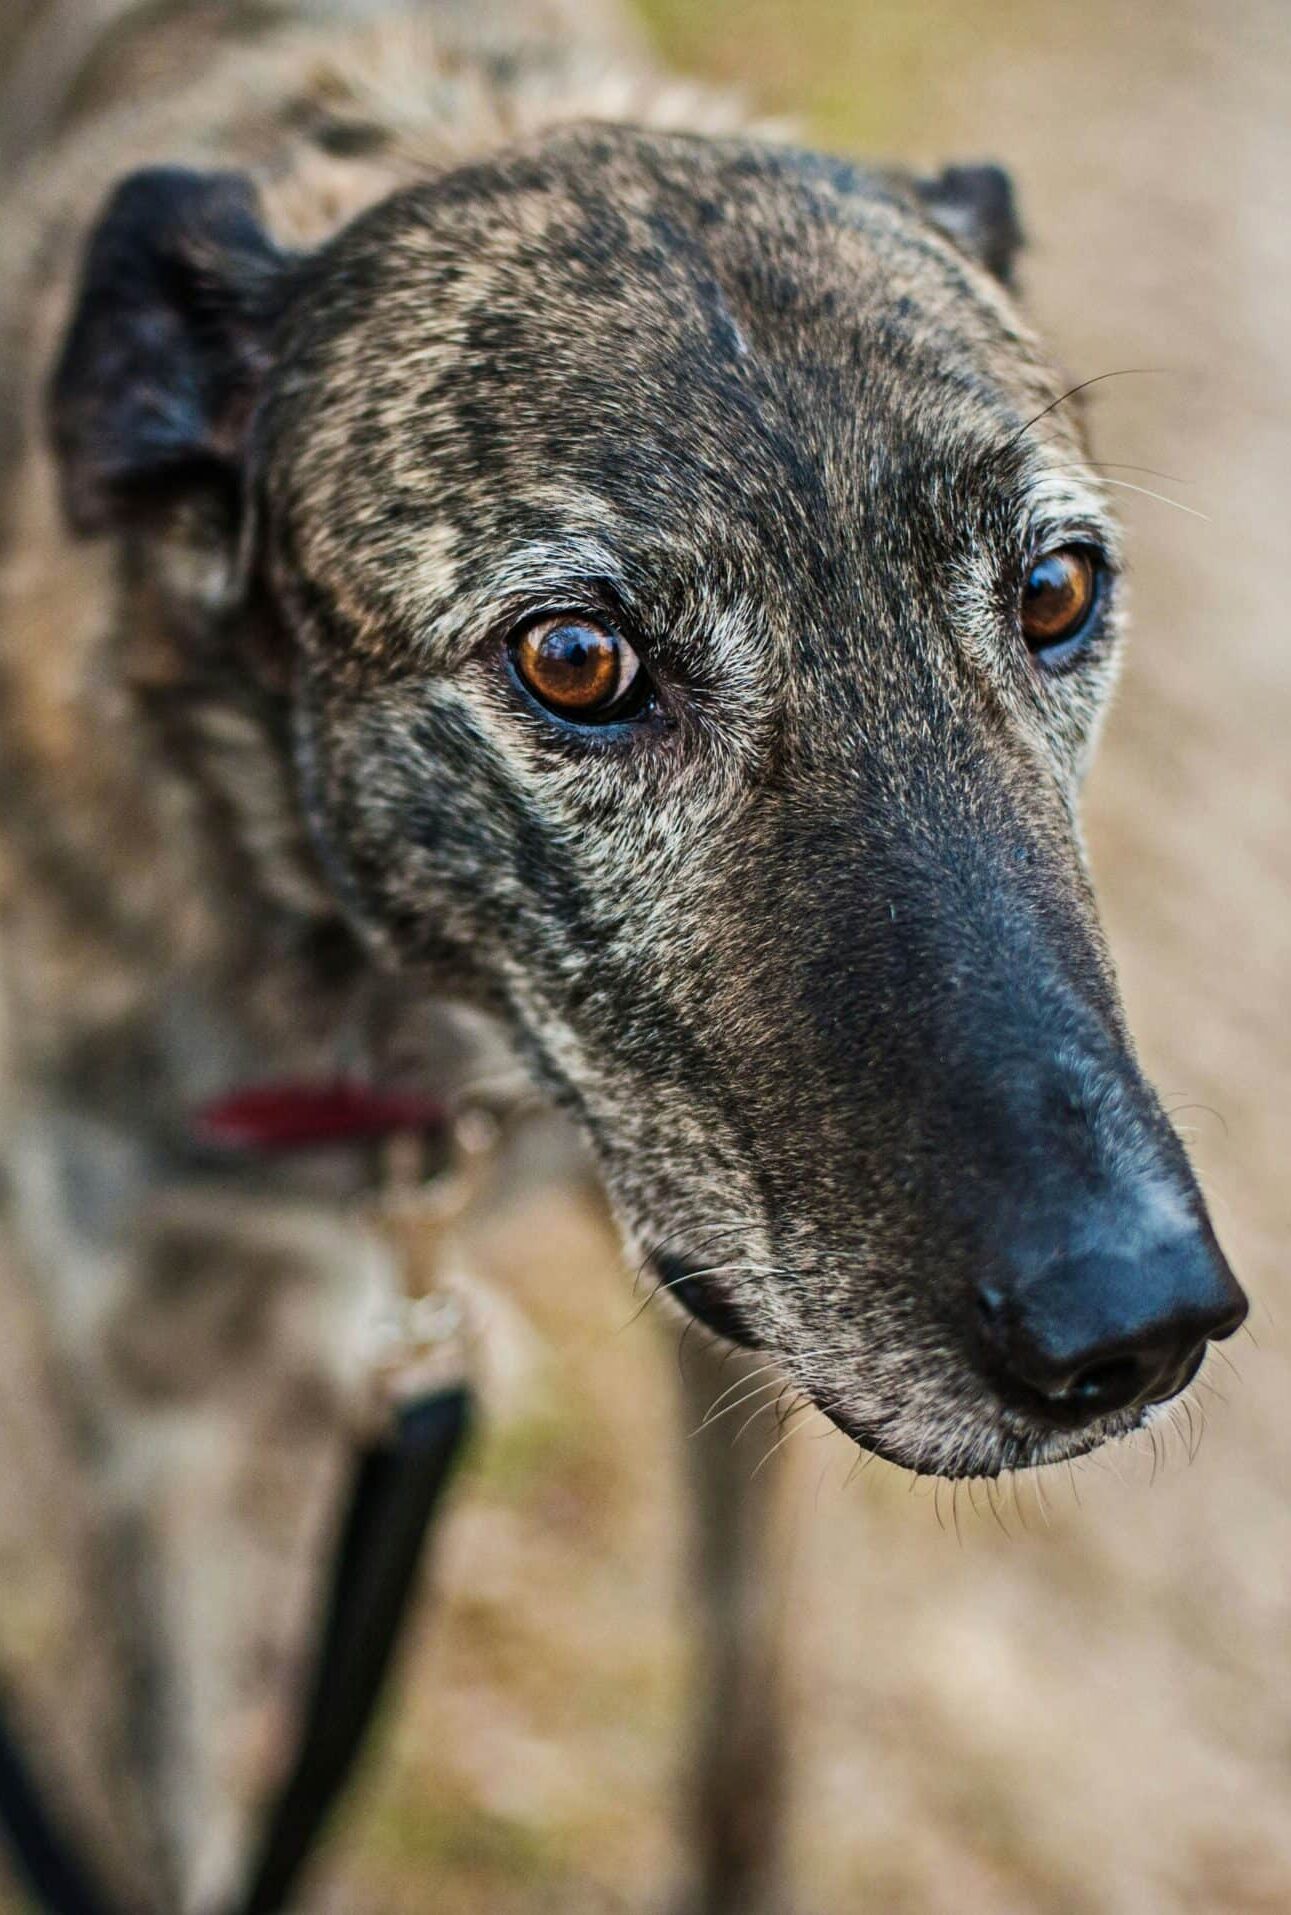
992 1449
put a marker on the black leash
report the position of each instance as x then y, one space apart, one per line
47 1860
397 1485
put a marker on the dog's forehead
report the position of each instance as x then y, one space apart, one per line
665 353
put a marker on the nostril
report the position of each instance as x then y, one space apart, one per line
1109 1385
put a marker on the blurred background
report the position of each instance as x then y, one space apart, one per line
1078 1699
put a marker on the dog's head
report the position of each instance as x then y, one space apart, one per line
694 613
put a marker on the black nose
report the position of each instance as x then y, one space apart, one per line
1101 1330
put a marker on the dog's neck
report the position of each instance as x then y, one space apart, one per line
63 61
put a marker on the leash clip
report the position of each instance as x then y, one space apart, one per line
423 1337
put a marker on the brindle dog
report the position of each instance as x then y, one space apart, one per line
469 540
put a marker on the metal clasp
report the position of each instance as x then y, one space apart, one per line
423 1336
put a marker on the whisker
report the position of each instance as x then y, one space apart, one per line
747 1377
758 1389
1196 1430
1017 1502
1083 385
993 1506
1177 1110
1162 498
778 1364
707 1233
795 1431
1147 471
752 1417
674 1283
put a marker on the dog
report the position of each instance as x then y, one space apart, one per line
505 537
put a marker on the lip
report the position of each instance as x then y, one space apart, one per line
1004 1447
704 1302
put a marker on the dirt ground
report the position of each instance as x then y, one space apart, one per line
1080 1700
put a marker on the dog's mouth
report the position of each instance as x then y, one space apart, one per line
999 1434
704 1302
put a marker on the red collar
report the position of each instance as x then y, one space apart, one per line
271 1120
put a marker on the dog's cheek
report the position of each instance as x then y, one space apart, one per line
443 863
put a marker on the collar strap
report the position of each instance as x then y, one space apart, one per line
274 1120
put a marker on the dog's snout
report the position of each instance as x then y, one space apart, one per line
1102 1329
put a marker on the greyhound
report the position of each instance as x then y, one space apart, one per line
484 529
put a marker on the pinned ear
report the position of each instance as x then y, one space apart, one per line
168 345
974 206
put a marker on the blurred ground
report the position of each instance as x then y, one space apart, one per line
1091 1712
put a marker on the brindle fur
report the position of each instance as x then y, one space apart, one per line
485 333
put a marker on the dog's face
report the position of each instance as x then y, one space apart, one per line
694 616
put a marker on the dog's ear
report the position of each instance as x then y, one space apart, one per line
975 206
167 348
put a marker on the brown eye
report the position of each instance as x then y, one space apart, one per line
578 669
1058 597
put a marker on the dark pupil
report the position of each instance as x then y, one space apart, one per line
577 663
1051 579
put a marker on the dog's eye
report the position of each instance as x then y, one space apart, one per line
579 670
1059 597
